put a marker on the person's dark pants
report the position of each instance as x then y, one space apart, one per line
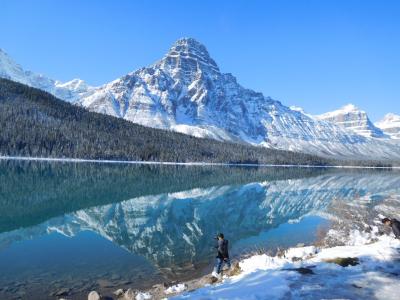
219 263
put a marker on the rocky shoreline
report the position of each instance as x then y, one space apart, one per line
347 271
356 249
161 291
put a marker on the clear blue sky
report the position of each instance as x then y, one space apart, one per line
316 54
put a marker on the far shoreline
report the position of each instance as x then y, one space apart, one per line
138 162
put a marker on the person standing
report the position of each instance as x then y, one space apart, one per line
394 224
222 256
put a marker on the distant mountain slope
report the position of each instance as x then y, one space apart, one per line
70 91
390 125
35 123
351 117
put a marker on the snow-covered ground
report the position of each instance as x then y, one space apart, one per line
357 258
377 276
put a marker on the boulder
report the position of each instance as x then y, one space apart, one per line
234 270
93 295
344 261
129 294
119 293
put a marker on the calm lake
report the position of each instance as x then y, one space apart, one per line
68 228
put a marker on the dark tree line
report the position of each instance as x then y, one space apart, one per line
35 123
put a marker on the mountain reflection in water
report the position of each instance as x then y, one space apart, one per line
168 215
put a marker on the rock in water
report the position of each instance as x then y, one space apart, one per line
119 293
61 292
93 295
129 295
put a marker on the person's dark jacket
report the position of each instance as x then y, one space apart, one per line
222 249
395 227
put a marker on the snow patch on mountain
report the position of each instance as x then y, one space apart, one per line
275 277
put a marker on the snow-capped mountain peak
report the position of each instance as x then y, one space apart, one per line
352 118
390 124
189 56
300 110
348 108
10 69
69 91
77 85
186 92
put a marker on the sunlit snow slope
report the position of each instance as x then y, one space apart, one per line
186 92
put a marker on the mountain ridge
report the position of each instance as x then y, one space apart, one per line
186 92
351 117
44 126
390 125
69 91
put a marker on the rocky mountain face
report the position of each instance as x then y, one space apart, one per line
351 117
186 92
390 125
